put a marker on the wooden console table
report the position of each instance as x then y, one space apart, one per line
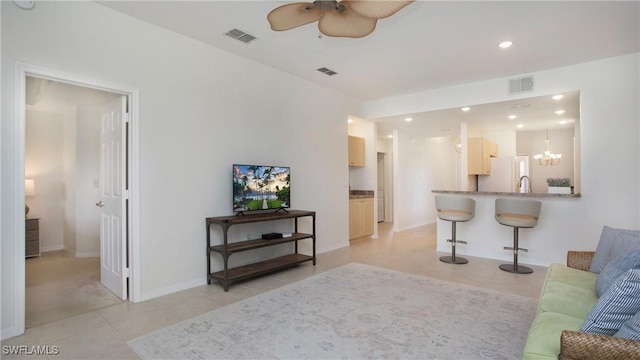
227 275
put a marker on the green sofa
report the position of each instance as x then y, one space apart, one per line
567 296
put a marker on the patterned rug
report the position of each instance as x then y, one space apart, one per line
354 312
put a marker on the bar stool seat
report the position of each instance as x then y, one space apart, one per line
455 209
517 214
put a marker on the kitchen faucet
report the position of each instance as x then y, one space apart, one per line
528 183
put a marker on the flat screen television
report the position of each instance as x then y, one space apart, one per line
259 187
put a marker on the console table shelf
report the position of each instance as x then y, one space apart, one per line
261 268
229 275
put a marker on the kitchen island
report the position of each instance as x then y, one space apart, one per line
547 242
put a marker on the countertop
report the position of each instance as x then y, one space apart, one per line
506 194
360 194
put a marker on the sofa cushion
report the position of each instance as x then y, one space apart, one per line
543 341
619 304
555 291
567 299
615 268
566 275
613 243
630 329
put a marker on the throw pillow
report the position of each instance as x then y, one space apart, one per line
630 329
619 304
613 243
615 268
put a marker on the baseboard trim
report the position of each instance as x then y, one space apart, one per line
172 289
52 248
87 254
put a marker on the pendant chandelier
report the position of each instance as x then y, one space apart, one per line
547 157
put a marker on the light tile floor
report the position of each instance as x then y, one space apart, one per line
103 333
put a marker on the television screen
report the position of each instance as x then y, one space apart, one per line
257 187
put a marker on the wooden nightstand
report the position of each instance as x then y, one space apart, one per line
32 237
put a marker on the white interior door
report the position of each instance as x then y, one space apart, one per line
113 219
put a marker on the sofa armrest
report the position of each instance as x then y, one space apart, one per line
580 260
576 345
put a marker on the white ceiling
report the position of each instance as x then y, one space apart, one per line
426 45
534 113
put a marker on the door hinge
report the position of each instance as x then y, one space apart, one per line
125 194
125 117
127 272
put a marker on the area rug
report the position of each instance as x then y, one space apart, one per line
355 311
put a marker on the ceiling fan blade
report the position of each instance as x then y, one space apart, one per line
291 16
376 9
346 24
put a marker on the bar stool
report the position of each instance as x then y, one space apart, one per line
517 214
455 209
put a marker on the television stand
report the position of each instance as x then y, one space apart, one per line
229 275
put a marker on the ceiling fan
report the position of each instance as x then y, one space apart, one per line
347 18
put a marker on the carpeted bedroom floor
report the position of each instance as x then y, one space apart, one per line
103 333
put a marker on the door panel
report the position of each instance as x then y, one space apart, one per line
113 230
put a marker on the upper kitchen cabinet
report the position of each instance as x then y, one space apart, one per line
356 151
481 150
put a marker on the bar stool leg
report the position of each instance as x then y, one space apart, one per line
515 268
453 259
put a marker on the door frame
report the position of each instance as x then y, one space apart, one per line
22 70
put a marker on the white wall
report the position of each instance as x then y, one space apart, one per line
62 155
87 176
200 111
610 165
421 165
43 164
69 173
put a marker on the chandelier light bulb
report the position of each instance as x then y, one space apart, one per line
547 157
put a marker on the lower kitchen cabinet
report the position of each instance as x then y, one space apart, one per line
360 218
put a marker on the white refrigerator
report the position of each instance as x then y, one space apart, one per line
504 176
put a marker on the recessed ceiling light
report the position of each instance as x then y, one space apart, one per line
408 119
505 44
466 108
390 136
562 122
512 116
559 112
349 120
520 126
557 97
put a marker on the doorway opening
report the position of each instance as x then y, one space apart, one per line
122 248
62 156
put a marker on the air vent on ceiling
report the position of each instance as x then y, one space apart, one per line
326 71
240 35
521 85
518 106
